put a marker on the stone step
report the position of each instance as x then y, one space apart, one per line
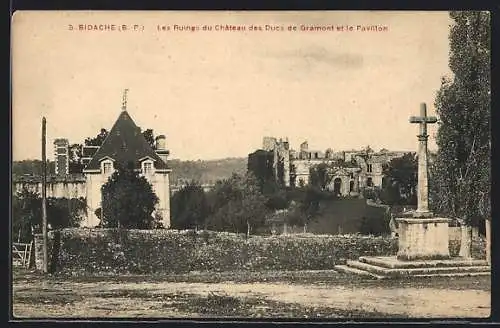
382 271
463 274
347 269
393 263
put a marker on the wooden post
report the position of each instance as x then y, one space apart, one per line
29 253
488 240
44 197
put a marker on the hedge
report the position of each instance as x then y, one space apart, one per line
112 251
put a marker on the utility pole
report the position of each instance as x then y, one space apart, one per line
44 197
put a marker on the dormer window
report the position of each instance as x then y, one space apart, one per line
148 168
107 167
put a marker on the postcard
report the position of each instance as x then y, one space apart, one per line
318 165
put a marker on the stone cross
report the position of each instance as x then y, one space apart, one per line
423 188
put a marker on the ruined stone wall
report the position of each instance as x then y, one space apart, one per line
58 189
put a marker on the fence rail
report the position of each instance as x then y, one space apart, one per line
21 254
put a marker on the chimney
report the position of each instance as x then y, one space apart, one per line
161 147
61 156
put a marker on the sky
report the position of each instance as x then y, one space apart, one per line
216 94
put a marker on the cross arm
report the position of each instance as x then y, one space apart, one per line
419 119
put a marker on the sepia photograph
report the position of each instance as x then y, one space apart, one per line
242 165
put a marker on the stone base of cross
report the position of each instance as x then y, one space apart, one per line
423 238
422 215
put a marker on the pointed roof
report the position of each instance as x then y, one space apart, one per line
125 143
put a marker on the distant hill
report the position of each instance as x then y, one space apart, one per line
204 171
31 167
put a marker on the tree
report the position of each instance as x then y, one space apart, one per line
390 193
400 180
320 176
65 212
74 159
310 205
150 137
277 201
128 200
305 205
237 205
460 176
189 207
76 151
293 175
27 213
260 164
97 140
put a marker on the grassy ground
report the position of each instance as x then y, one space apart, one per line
343 216
285 295
314 277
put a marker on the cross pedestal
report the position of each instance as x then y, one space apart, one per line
423 238
421 235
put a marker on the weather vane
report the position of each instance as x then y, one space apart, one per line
124 100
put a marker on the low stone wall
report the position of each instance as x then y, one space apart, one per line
85 251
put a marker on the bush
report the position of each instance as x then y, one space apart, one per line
115 251
371 193
119 251
378 225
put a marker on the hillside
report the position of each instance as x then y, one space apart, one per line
343 216
206 172
31 167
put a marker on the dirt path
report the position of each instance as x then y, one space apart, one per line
76 299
